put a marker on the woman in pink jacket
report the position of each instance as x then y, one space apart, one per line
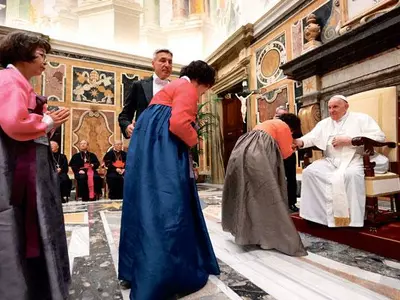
33 249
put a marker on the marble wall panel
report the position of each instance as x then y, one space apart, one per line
269 101
93 86
297 39
97 127
126 84
268 61
54 80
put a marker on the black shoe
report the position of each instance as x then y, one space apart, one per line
125 285
293 208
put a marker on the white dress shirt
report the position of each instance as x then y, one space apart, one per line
158 84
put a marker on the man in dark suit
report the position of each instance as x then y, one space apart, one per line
143 91
290 167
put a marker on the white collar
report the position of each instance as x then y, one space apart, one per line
344 117
155 77
187 78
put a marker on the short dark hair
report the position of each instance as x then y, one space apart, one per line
200 71
162 51
20 46
292 121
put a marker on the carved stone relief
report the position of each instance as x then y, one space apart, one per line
311 33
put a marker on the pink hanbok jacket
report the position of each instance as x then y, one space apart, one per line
16 98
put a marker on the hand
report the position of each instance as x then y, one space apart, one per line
58 170
118 170
81 172
297 143
130 128
59 116
341 141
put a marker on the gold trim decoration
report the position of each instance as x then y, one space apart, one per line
342 222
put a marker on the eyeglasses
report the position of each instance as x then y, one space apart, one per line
41 54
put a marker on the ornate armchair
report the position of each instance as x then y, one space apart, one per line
382 105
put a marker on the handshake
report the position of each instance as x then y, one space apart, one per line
297 143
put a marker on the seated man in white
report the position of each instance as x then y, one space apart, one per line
333 188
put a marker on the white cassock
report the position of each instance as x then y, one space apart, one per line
333 188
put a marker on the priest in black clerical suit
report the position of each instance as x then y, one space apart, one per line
115 160
142 91
84 164
61 164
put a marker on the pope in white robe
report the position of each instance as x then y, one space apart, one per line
333 188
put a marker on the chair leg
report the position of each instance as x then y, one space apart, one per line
397 202
392 198
76 189
372 209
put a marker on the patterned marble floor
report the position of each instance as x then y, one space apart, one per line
330 271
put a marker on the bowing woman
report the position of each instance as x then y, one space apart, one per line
254 199
165 249
33 247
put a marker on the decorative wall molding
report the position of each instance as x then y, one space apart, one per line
281 12
375 37
237 75
232 47
355 13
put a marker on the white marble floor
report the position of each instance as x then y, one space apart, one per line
285 277
281 277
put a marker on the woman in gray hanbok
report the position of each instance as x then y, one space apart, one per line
254 200
33 249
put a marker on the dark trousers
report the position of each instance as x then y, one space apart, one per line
65 185
115 184
83 189
290 171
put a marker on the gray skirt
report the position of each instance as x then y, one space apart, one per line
46 276
254 201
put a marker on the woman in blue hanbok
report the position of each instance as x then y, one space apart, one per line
165 249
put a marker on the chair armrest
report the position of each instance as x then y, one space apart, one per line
369 145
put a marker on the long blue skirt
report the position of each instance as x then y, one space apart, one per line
164 248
